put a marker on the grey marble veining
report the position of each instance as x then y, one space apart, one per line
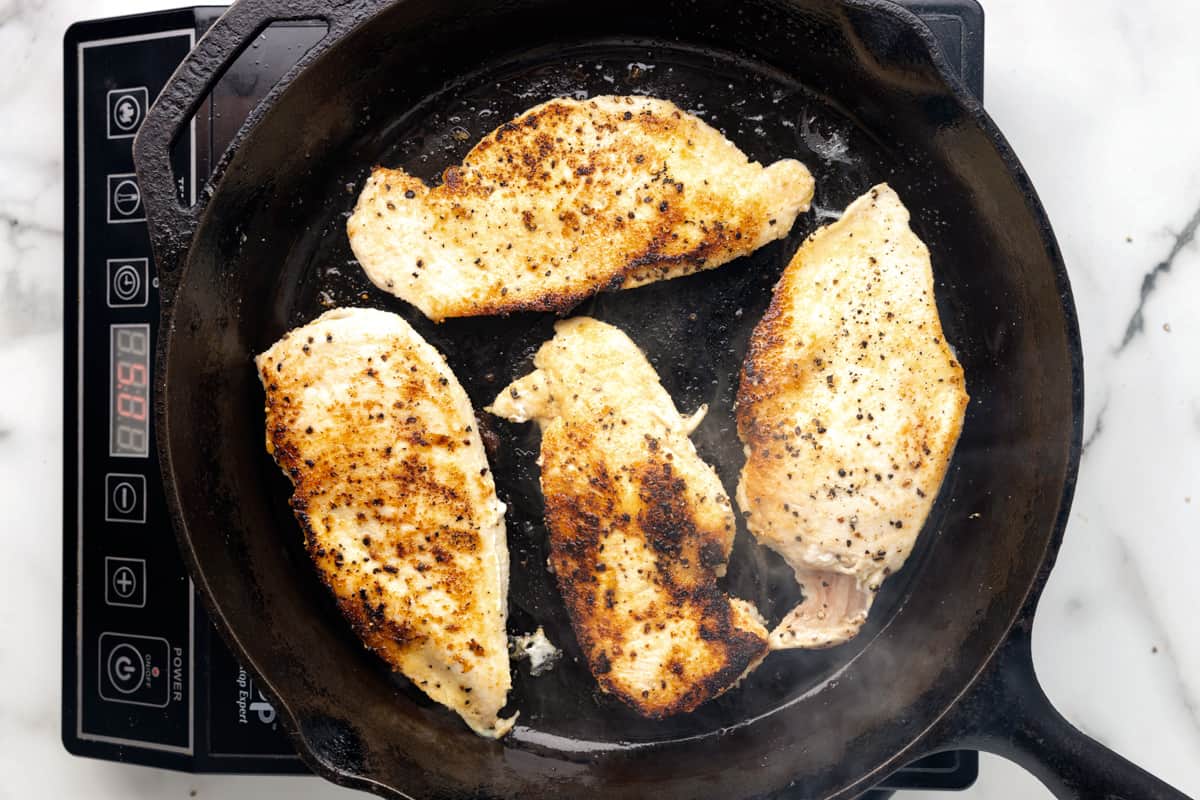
1137 321
1098 97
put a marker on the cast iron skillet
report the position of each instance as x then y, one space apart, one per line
854 88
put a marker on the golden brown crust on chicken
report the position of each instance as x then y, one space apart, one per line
640 527
571 198
393 492
849 407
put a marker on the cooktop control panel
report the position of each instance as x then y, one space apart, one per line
135 664
145 678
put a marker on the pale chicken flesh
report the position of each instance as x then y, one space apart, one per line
398 508
850 405
571 198
640 526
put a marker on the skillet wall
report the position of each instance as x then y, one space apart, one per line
997 289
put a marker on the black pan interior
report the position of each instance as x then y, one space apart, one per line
859 103
693 330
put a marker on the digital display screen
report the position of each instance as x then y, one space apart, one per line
129 405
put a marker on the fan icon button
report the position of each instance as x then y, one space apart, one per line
126 110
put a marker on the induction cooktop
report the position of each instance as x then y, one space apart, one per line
146 679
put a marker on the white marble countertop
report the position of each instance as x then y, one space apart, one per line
1098 98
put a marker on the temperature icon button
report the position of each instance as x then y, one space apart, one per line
124 199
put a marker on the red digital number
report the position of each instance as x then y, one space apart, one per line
131 406
131 374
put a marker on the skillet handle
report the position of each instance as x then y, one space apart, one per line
1007 713
171 222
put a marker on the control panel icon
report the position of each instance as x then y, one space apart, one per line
128 282
135 669
125 582
126 110
124 497
124 199
126 670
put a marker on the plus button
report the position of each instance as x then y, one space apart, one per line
125 582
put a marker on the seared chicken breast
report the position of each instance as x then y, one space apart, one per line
571 198
849 407
399 512
640 527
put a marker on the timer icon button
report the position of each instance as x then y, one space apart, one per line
135 669
124 497
125 582
128 282
126 110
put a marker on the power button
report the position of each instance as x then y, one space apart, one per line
126 669
135 669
